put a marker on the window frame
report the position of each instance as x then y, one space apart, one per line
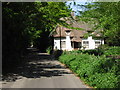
86 45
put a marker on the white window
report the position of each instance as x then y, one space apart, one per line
86 44
97 43
63 44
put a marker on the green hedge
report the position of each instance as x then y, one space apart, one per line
97 71
103 50
112 51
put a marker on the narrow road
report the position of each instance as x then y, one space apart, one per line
40 71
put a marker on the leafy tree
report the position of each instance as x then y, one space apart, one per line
107 16
26 22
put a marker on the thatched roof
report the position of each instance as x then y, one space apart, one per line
75 34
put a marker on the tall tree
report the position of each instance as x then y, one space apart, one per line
24 22
107 15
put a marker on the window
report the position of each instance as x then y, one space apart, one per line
77 44
86 44
67 32
97 43
63 44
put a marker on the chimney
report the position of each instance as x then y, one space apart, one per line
73 14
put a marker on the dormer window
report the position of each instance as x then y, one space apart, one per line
68 32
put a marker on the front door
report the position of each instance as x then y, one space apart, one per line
76 45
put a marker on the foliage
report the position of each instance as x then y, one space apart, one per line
49 49
72 52
91 52
26 22
101 50
112 51
106 16
57 53
103 80
97 71
94 52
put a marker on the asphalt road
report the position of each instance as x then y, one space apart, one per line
40 71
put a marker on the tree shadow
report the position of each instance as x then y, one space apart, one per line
36 65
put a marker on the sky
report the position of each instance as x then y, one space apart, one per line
77 8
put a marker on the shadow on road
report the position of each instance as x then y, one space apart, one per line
36 65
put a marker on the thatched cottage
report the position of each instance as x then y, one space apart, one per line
72 39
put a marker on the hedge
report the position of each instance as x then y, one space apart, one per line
97 71
112 51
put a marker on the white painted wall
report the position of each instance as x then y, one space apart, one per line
102 41
57 43
68 43
91 42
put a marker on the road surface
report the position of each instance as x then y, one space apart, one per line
40 71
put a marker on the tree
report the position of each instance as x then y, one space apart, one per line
26 22
107 16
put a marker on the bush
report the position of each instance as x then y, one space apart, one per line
57 53
103 50
112 51
66 59
49 50
94 51
103 80
73 52
103 47
97 71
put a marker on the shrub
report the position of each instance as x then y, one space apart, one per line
103 80
93 51
72 52
103 47
112 51
66 59
49 49
97 71
57 53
